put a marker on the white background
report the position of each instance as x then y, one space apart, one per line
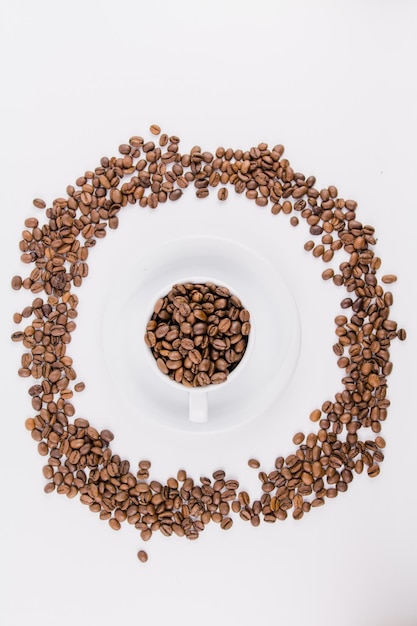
335 83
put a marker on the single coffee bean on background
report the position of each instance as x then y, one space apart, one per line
142 556
17 282
389 278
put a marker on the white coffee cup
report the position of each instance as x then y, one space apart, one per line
198 397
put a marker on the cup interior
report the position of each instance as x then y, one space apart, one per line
233 376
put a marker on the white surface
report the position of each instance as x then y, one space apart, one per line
335 83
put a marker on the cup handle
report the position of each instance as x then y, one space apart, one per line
198 407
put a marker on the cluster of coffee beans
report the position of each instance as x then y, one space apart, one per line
198 333
79 461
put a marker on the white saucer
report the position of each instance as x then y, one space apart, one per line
263 292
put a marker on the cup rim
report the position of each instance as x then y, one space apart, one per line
196 279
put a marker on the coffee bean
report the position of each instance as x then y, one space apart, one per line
30 423
389 278
402 334
136 141
202 379
16 282
172 365
114 524
315 415
106 435
298 438
327 274
142 556
219 344
195 356
199 329
175 194
222 194
373 470
219 377
161 331
38 203
245 328
186 344
226 523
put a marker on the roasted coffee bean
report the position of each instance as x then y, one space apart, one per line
315 415
199 328
142 556
201 379
195 356
186 344
389 278
114 524
219 377
226 523
38 203
373 470
107 436
224 325
223 193
17 282
298 438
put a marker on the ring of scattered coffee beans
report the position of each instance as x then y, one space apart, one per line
80 461
198 333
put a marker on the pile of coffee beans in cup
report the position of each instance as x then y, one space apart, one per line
79 461
198 333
